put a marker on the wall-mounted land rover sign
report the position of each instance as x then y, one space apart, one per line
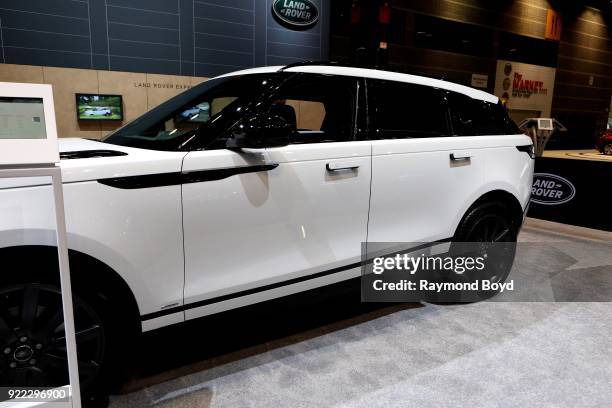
297 14
550 189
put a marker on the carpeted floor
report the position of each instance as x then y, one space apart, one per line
332 352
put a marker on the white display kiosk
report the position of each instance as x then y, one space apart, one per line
28 148
540 130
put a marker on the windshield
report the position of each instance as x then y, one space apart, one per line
201 112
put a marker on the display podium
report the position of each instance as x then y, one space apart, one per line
28 148
541 130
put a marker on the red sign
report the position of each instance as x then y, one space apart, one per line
553 25
523 87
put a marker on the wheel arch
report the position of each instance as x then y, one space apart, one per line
500 196
86 272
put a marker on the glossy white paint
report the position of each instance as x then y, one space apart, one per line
176 245
137 233
420 194
256 229
416 188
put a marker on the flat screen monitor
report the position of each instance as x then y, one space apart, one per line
99 107
545 124
28 134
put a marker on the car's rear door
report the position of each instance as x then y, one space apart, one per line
295 220
422 177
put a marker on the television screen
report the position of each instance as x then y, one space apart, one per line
99 107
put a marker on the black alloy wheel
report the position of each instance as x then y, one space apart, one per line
32 338
492 236
487 231
490 228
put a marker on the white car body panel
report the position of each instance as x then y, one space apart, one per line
419 194
187 248
415 190
121 228
256 229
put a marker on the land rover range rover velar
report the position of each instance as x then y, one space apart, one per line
251 186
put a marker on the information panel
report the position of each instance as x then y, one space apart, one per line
22 118
28 134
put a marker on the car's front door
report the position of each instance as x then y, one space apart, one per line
260 223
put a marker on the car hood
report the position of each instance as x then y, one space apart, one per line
84 160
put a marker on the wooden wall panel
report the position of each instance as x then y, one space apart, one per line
518 17
66 83
585 53
164 87
582 91
140 92
21 73
584 58
582 79
584 74
577 64
125 84
197 80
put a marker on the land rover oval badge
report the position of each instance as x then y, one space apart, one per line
296 14
550 189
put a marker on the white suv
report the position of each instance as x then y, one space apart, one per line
250 186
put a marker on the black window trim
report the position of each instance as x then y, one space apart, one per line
198 143
506 125
362 121
356 100
371 111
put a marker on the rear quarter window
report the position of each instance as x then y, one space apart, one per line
474 117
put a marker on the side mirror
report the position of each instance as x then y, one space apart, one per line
260 131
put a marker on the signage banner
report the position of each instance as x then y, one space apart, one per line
570 192
553 25
480 80
295 14
525 86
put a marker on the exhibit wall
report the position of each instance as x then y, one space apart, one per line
146 51
526 90
462 40
140 92
178 37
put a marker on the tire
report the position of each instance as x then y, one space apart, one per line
467 231
487 230
32 339
607 149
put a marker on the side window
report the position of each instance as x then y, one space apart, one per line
191 116
321 108
472 117
401 110
196 116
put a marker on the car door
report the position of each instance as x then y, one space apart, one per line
422 176
281 219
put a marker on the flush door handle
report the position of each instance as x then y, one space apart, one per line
459 158
341 166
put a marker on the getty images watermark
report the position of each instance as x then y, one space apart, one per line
475 271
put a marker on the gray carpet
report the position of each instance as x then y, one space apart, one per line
489 354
